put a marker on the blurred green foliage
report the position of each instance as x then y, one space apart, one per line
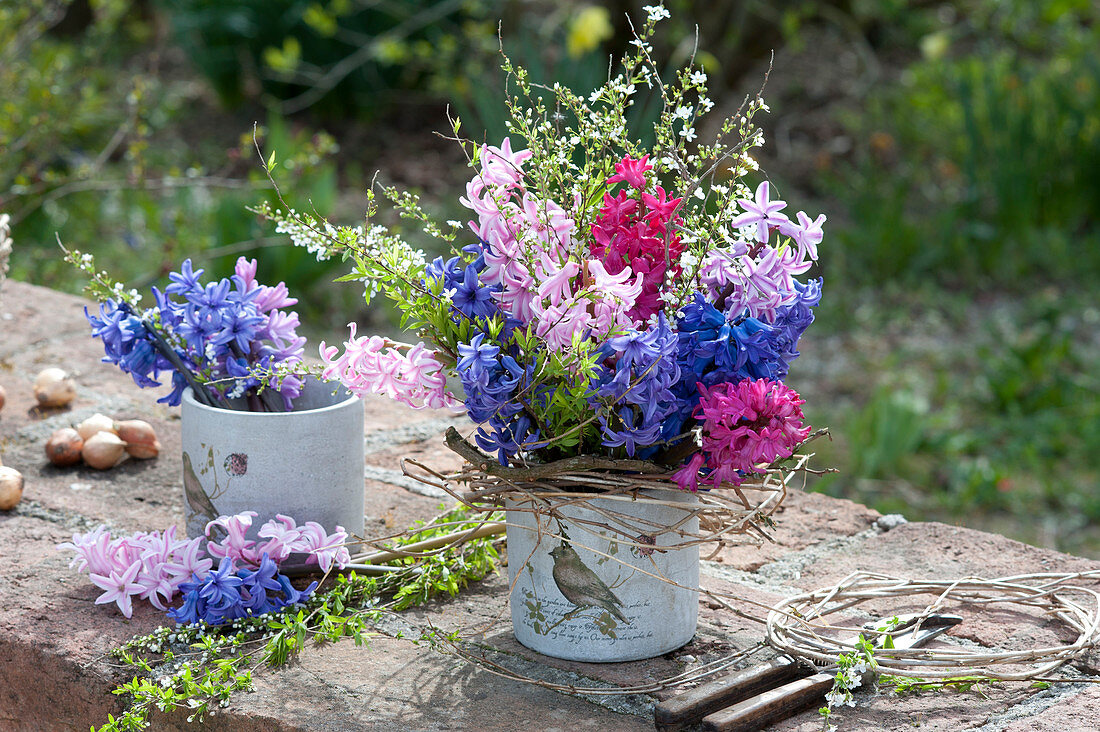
97 149
985 414
338 57
981 168
65 110
371 60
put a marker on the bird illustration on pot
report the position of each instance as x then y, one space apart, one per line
580 585
197 499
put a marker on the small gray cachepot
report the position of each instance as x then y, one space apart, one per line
307 463
606 600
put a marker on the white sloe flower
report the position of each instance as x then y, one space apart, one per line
655 12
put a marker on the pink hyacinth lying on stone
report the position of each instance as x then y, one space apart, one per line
149 565
284 537
153 565
744 426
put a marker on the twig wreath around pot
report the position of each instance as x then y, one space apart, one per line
617 319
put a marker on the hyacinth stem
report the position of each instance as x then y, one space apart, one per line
259 400
438 542
373 563
201 394
679 452
271 400
369 570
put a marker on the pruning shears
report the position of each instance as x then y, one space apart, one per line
770 692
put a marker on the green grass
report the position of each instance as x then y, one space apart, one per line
983 413
981 168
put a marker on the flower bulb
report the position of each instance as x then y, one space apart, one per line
64 447
96 423
103 450
11 488
54 388
141 441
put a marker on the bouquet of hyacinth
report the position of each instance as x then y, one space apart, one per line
608 298
231 341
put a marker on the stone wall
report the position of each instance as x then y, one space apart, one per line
53 636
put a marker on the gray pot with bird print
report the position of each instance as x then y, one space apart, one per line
598 580
306 463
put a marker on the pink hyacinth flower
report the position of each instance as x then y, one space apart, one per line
323 548
282 535
119 587
687 477
761 213
518 228
806 234
746 426
369 365
236 545
632 171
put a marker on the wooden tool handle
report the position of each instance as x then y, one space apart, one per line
771 706
692 705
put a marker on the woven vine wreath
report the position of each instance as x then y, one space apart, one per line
799 625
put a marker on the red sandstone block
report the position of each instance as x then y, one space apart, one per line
395 685
1077 713
37 314
935 712
804 519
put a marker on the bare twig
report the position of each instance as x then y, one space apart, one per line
795 625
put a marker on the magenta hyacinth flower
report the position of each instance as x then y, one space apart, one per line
632 171
744 426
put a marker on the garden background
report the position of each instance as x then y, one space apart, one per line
954 146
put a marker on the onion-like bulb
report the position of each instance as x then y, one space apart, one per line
103 450
11 488
96 423
141 441
64 447
54 388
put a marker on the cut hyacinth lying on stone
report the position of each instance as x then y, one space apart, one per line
158 567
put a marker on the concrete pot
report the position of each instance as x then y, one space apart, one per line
307 464
603 604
